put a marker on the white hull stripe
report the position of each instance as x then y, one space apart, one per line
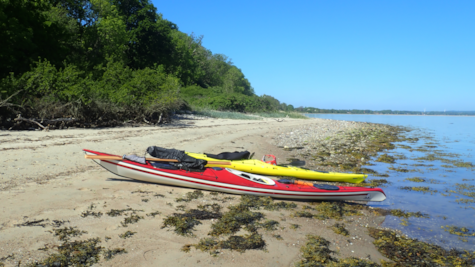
234 187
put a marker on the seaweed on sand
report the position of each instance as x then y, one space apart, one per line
127 234
238 243
241 217
191 196
267 203
337 210
340 229
110 253
411 252
77 253
294 226
90 212
64 234
153 214
316 252
185 222
115 213
270 225
133 218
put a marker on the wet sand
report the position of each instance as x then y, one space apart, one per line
44 176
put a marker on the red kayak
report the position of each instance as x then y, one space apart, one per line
235 182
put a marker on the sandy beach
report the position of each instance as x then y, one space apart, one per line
44 176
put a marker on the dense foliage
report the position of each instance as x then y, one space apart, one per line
110 59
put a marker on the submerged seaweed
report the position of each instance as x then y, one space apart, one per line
411 252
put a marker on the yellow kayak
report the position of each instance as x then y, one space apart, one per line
259 167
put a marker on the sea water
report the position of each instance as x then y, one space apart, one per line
449 198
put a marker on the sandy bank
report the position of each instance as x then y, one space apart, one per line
44 176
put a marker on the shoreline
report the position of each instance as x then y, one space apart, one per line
394 114
45 177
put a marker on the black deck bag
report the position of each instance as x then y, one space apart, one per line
230 155
185 162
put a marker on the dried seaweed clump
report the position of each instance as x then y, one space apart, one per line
238 217
127 234
191 196
302 214
238 243
336 210
340 229
386 158
316 252
153 213
66 233
185 222
90 212
133 218
115 213
77 253
267 203
270 225
411 252
110 253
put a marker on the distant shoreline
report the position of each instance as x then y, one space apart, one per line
393 114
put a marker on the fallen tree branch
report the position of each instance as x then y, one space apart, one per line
19 118
4 102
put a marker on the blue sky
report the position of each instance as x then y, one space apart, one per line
399 55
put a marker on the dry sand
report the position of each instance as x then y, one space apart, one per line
43 175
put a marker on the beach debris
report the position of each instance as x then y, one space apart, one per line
41 222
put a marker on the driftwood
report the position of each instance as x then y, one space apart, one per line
19 118
43 122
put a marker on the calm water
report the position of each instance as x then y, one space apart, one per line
452 196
